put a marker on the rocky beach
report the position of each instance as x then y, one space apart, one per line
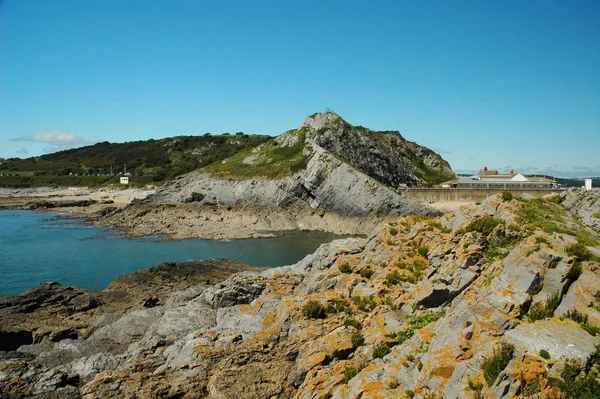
495 300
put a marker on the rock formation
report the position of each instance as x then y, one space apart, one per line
496 300
326 175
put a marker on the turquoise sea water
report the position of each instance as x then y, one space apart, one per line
38 247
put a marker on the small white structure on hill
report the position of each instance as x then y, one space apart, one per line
124 180
588 184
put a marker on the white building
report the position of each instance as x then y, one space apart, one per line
124 180
588 184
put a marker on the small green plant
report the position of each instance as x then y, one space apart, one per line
545 310
357 340
365 303
423 251
367 272
542 240
416 322
583 321
393 231
579 251
493 366
596 215
581 383
393 278
345 268
353 323
314 310
380 351
507 196
545 354
349 373
338 306
409 393
394 384
484 225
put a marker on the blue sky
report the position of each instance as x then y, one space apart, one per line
507 84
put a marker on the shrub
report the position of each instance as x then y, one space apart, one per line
314 310
544 354
380 351
349 374
507 196
338 306
393 231
423 251
409 393
367 272
596 215
493 366
582 320
353 323
545 310
345 268
357 340
484 225
365 303
416 323
393 278
579 251
580 383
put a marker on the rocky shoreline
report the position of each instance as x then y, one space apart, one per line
496 300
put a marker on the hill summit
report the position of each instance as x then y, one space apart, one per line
325 175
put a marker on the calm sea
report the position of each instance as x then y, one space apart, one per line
38 247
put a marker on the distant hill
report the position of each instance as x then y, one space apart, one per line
385 156
149 161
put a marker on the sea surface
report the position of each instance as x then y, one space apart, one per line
40 247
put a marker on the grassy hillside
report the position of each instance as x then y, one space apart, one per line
148 161
271 160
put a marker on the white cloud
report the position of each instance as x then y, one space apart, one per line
56 141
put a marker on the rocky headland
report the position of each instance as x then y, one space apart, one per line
325 175
495 300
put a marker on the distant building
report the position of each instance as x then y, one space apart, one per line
124 180
588 184
491 179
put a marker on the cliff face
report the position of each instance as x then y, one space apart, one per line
325 175
497 300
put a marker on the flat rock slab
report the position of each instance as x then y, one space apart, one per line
563 339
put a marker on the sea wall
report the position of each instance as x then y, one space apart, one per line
425 195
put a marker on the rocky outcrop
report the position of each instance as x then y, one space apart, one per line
344 181
479 303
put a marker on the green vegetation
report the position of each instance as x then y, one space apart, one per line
596 214
484 225
393 278
416 322
579 251
367 272
409 393
271 160
351 372
393 231
338 306
357 339
314 310
507 196
380 351
350 322
580 383
493 366
583 321
544 354
545 310
345 268
438 225
149 161
365 303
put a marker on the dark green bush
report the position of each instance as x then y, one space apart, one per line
353 323
484 225
314 310
345 268
338 306
507 196
367 272
393 278
579 251
493 366
357 340
544 354
545 310
380 351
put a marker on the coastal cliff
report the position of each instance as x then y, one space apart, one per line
326 175
495 300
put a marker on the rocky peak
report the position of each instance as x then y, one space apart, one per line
321 121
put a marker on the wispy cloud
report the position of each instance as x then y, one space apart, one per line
23 151
56 141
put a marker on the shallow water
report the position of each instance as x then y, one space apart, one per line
38 247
